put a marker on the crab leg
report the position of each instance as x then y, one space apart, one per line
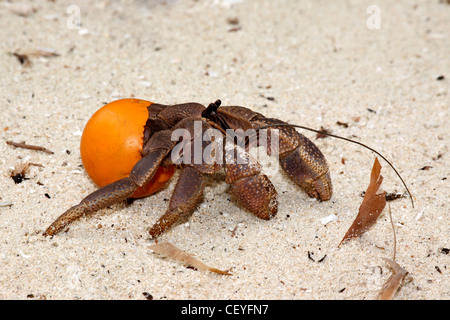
187 193
97 200
301 159
114 192
252 189
307 167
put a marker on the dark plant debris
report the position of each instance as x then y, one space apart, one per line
342 124
18 174
323 133
390 196
311 254
147 295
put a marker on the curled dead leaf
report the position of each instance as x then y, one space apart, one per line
393 283
168 250
371 207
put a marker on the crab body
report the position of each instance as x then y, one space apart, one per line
298 157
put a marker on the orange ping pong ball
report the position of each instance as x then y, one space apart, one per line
111 145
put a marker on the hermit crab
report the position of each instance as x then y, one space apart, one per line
176 135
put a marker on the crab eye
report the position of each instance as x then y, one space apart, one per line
112 141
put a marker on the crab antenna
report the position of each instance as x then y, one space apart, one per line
346 139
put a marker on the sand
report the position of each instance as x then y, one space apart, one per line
305 62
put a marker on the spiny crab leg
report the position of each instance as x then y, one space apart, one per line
117 191
249 186
187 192
97 200
299 157
252 189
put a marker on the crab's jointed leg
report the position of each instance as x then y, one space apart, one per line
249 186
299 157
142 172
187 193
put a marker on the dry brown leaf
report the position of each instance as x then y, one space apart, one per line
393 283
371 207
168 250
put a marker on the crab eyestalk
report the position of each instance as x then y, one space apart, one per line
210 112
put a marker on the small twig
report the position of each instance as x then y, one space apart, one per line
6 204
233 232
28 146
393 230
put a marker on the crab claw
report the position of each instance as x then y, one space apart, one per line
307 167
